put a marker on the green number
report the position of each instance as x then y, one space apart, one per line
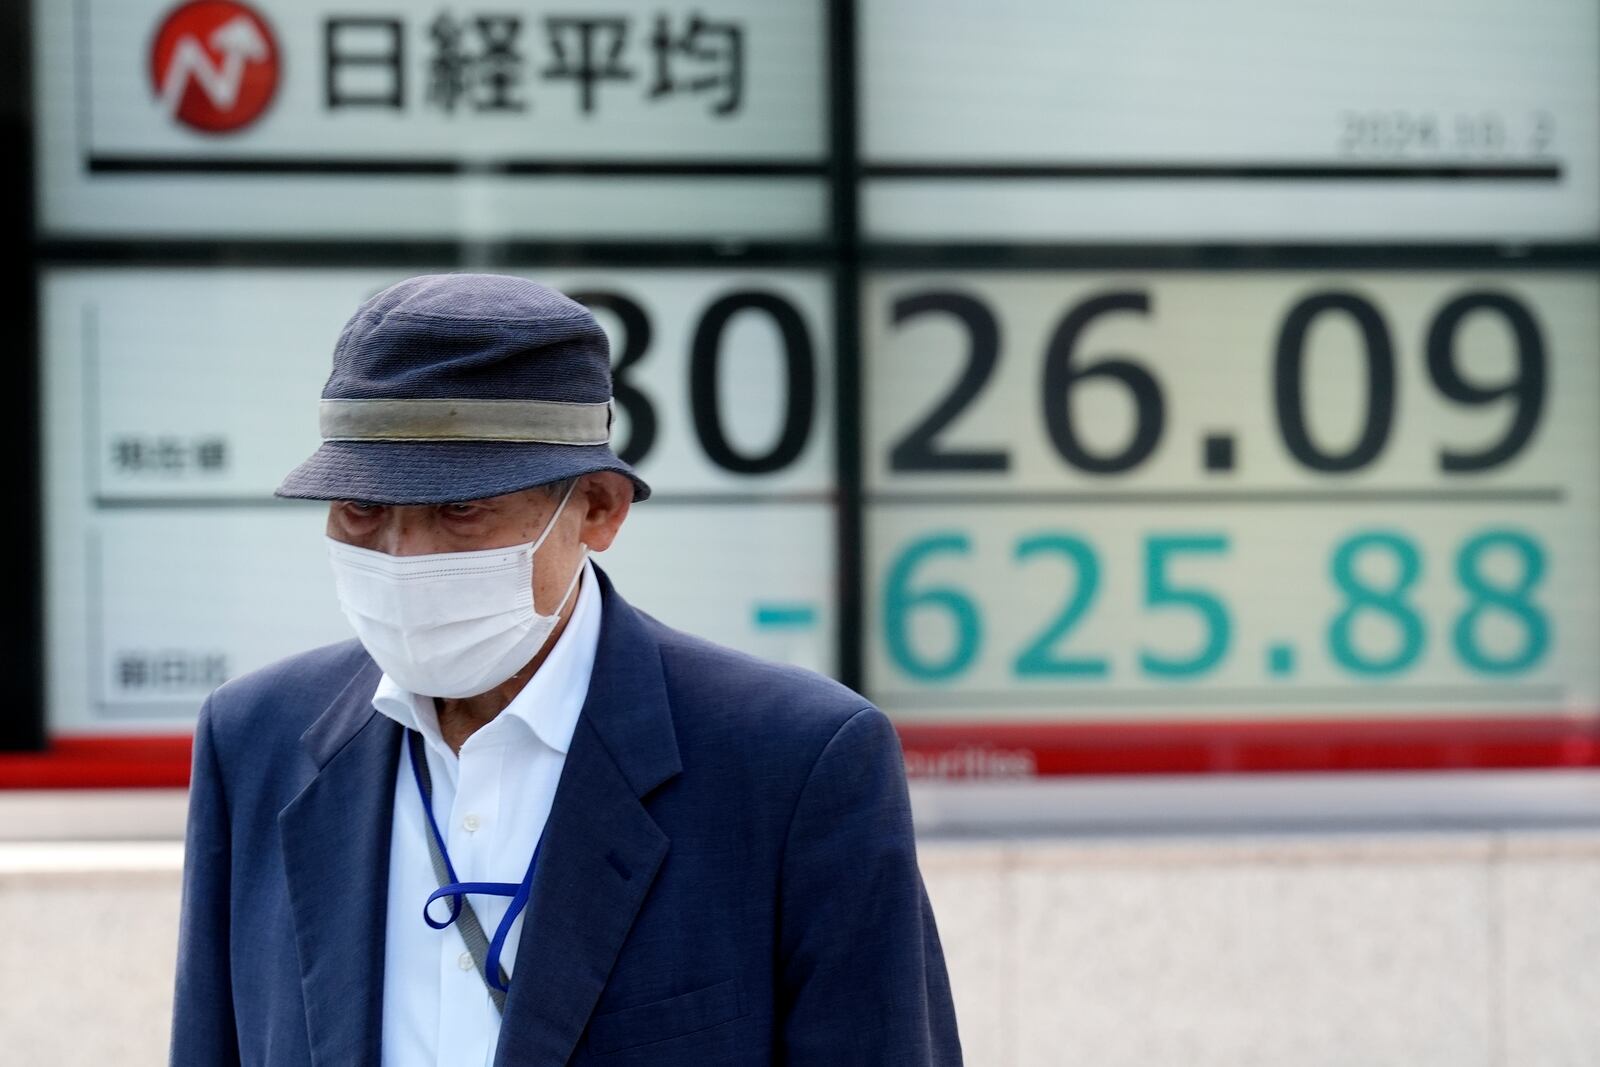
1389 602
899 601
1038 658
1159 592
1513 601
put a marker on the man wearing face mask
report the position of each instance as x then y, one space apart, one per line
518 822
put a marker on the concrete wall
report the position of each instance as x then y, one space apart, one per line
1452 948
88 935
1459 949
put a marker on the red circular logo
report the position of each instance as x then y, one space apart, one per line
214 65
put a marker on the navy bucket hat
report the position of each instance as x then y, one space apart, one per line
450 387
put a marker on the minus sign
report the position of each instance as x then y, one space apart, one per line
785 616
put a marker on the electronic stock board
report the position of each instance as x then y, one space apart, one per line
1095 386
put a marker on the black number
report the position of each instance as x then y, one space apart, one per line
918 451
1288 382
705 356
1527 385
635 343
1060 377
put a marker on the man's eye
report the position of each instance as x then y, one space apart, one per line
358 507
460 510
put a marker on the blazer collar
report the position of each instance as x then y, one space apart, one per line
627 704
335 841
601 848
345 715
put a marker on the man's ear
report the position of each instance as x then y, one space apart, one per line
606 497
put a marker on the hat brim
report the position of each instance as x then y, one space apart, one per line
443 472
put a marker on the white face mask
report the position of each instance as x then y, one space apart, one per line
449 624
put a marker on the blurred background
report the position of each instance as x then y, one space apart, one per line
1182 419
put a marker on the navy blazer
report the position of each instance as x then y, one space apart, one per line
728 875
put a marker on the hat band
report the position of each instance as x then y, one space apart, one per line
546 422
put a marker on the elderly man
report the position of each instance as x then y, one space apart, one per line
517 821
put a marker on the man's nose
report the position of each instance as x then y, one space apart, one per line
408 533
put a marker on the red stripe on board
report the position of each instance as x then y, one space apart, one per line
1017 750
1011 750
111 762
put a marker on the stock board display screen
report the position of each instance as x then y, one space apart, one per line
1083 382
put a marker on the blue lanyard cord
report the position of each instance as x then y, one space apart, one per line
456 890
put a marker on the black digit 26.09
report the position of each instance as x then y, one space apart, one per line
1525 387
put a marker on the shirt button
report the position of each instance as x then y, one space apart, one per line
470 824
464 961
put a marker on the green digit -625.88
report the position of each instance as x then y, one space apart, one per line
1055 651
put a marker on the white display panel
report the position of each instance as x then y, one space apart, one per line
175 401
297 118
1238 120
1232 497
177 600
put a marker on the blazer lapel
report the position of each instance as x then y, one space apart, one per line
601 848
335 840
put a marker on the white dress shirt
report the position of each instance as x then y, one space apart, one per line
491 804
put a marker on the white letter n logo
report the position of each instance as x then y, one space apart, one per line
237 41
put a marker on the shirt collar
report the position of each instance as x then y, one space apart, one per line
553 698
